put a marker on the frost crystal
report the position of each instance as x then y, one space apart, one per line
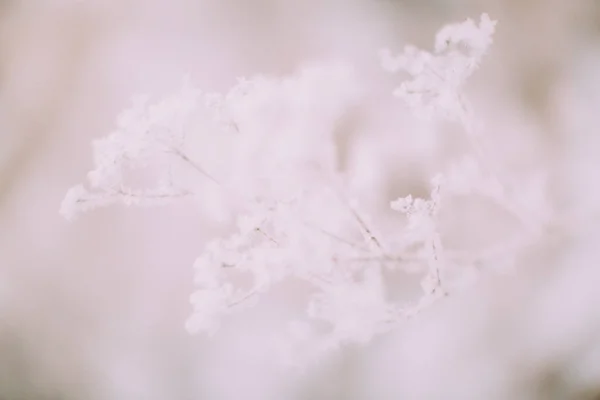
437 78
268 148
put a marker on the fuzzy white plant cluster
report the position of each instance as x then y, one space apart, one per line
435 89
267 149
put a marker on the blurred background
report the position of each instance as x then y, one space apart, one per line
96 309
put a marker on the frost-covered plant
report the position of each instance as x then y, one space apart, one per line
267 150
438 77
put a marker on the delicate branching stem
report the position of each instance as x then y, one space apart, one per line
265 234
240 300
438 259
122 192
361 222
334 236
194 165
385 259
365 230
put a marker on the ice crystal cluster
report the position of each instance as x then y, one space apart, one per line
266 151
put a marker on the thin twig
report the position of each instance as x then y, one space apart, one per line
265 234
245 297
334 236
194 165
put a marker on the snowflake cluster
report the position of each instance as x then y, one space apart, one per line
268 146
437 78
